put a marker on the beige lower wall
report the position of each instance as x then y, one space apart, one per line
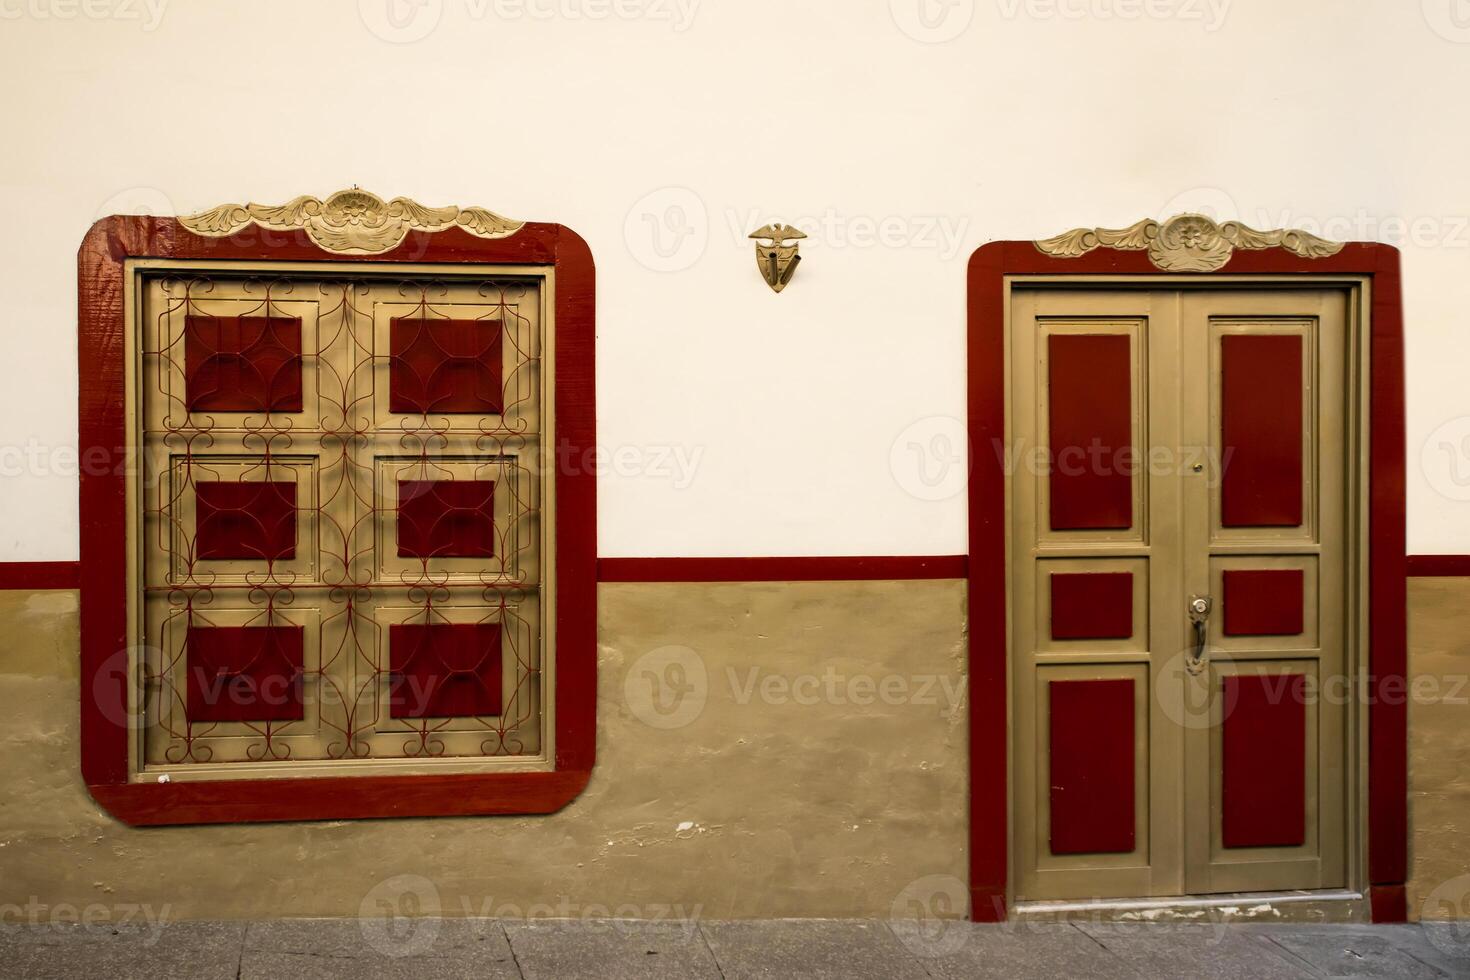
1439 747
770 801
780 796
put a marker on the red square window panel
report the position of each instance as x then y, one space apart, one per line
445 366
245 521
446 518
244 673
445 670
242 363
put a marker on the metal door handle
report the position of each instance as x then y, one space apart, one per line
1199 616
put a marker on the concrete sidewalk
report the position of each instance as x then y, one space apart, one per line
425 949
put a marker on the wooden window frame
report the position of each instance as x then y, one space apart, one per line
992 269
108 722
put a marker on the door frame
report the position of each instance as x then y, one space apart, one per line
1135 254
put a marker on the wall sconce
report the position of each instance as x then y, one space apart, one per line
775 253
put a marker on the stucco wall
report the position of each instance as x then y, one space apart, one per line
778 796
1439 747
784 780
898 134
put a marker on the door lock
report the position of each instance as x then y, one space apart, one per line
1199 616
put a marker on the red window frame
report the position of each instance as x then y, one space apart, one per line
990 267
106 723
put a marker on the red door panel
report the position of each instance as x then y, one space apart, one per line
1090 392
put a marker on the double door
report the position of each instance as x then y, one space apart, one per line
1180 589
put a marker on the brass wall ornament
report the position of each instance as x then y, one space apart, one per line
775 253
351 221
1187 242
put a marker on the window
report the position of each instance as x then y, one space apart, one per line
348 563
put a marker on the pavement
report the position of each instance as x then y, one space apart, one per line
489 949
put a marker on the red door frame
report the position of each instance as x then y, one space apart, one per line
106 725
1385 687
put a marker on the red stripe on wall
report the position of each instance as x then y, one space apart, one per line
1439 566
66 574
21 575
815 569
25 575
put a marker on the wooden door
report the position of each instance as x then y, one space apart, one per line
1172 448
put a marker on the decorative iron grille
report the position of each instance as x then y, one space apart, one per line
342 553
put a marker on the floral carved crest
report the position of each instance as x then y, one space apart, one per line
351 221
1187 242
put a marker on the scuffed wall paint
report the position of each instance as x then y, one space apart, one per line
823 773
1439 748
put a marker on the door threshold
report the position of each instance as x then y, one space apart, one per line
1337 905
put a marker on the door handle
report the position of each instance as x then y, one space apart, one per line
1199 617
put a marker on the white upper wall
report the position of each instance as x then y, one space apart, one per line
901 134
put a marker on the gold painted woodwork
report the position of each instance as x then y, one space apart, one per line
1187 242
350 221
1178 546
345 386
